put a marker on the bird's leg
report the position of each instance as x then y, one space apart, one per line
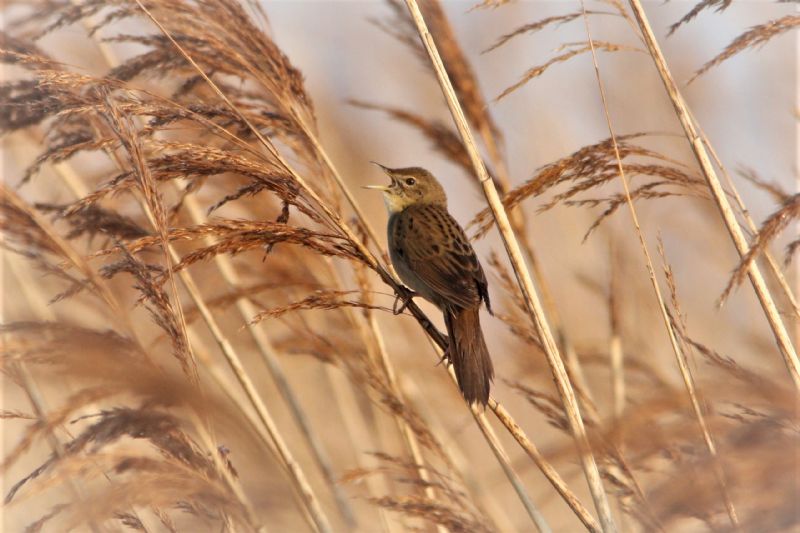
406 296
446 359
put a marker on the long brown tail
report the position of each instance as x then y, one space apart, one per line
469 354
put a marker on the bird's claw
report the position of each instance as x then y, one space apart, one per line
445 359
405 296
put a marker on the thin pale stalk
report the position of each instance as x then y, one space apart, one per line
317 518
517 219
616 353
494 443
490 506
31 389
373 338
544 466
797 185
694 395
313 511
340 182
423 320
247 310
754 273
679 355
530 295
228 388
201 426
391 377
408 434
533 452
344 396
617 365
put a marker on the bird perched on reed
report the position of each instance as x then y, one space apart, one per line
432 256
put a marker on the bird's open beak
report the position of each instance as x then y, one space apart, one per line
380 187
385 169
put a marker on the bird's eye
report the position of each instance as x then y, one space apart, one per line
410 181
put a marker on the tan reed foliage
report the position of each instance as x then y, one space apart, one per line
785 345
770 228
572 50
753 38
718 5
199 182
531 298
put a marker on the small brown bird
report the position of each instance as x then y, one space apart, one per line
432 255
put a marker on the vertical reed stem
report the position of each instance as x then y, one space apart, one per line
532 302
676 348
754 273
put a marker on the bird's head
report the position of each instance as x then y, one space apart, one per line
410 186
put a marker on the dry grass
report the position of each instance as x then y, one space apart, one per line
178 221
753 38
773 226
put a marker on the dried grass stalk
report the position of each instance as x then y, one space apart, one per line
458 68
526 285
769 230
594 165
776 192
759 285
668 324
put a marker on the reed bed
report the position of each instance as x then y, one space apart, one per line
198 327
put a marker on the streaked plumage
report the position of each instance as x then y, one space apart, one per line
432 255
436 257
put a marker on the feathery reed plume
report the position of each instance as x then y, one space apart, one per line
484 4
541 24
113 367
458 68
441 136
718 5
572 50
595 165
322 300
454 511
776 191
690 470
770 229
533 304
753 38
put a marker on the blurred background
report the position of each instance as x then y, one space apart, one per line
747 106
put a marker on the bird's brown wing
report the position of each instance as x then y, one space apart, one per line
439 253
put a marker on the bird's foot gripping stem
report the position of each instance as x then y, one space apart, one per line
446 360
403 295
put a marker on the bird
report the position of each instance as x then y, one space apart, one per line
433 257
